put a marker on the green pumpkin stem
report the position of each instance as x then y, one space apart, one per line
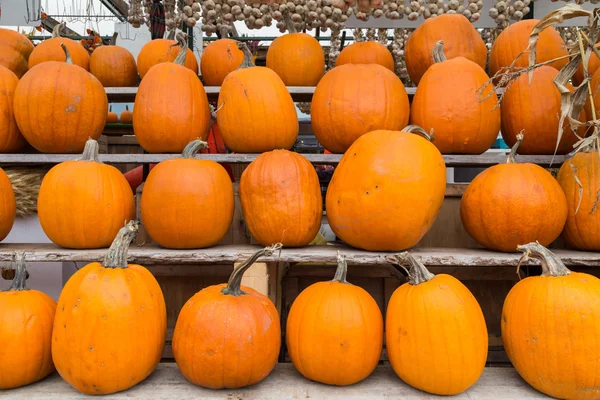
234 284
438 52
90 151
417 272
183 44
513 150
193 148
18 283
69 59
342 269
116 257
551 264
247 63
420 131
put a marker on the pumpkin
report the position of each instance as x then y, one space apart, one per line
111 117
550 328
386 191
110 324
50 50
340 343
281 199
58 106
514 39
447 101
126 116
354 99
593 65
11 139
228 335
83 203
366 53
159 51
443 364
15 49
25 333
114 66
457 32
171 108
8 205
535 109
510 204
255 111
204 199
220 58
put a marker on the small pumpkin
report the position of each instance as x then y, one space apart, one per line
15 50
228 335
366 53
255 111
82 203
8 205
111 317
25 333
220 58
550 328
418 311
340 343
513 203
114 66
111 117
11 139
447 101
50 50
126 116
159 51
354 99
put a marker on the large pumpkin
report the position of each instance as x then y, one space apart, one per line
25 333
187 203
550 329
354 99
8 205
114 66
510 204
14 51
171 107
50 50
255 111
387 191
220 58
82 204
443 364
281 199
159 51
11 139
110 324
514 39
334 331
366 53
459 35
447 101
228 335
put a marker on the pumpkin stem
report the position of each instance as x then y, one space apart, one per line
342 269
438 52
171 34
116 257
193 148
247 63
551 264
417 272
18 282
126 108
233 287
57 28
183 44
69 59
90 151
419 130
289 25
513 151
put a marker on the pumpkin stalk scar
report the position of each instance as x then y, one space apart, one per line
19 282
551 264
116 257
235 280
593 210
416 271
579 188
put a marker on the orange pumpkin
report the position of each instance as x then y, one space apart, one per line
386 191
340 343
255 111
50 50
111 117
447 101
8 205
366 53
220 58
126 116
510 204
228 336
418 311
514 39
114 66
593 65
11 139
25 333
354 99
110 324
171 108
14 51
83 203
457 32
535 109
281 199
204 196
551 331
159 51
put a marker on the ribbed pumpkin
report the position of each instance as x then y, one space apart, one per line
255 111
443 364
25 333
447 101
228 336
281 199
50 50
515 38
114 66
8 205
14 51
354 99
551 328
11 139
459 35
510 204
159 51
387 191
111 117
334 331
59 106
171 108
201 201
126 116
82 204
110 324
366 53
220 58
